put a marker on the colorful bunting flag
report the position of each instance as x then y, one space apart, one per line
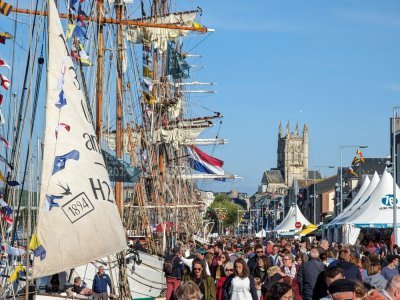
360 155
4 82
50 202
147 72
4 64
351 171
9 182
8 219
15 273
6 143
60 161
355 161
4 36
5 8
149 99
36 246
61 101
62 126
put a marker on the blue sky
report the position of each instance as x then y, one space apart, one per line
332 64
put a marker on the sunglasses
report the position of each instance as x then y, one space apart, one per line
197 269
230 270
260 251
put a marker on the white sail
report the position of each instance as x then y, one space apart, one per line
78 219
159 37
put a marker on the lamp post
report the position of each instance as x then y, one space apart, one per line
314 196
341 172
395 229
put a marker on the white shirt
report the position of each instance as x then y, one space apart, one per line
240 289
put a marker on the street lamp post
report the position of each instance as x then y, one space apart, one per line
341 172
314 196
395 229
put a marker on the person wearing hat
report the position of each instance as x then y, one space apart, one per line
391 269
342 289
200 254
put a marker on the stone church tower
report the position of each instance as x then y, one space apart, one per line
293 154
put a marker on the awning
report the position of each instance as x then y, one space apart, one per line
308 229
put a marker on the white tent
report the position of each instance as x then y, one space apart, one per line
288 223
261 233
361 191
361 200
377 211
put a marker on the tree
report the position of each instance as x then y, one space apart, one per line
223 208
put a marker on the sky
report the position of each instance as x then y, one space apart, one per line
334 65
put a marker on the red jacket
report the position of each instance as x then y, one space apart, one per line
293 282
218 288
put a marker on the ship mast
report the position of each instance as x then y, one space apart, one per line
99 71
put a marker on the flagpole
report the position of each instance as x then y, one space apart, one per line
395 229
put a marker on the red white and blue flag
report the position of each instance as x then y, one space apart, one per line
202 166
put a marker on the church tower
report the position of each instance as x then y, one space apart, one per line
293 154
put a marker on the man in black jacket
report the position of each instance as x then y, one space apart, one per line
174 277
308 274
351 271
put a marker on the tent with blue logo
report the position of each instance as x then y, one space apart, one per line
375 211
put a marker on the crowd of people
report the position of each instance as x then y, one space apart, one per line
282 269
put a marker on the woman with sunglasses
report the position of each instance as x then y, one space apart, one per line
228 270
199 276
290 270
240 285
222 259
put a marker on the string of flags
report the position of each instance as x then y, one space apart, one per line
357 160
5 8
77 31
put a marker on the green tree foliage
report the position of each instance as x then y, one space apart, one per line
222 205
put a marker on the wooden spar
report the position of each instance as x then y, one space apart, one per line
99 71
110 20
118 138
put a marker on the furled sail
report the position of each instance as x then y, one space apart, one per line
78 219
159 37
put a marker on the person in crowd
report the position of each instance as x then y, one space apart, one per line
392 290
299 258
231 254
261 269
173 270
291 270
240 285
342 289
100 282
323 246
188 291
215 262
324 258
279 291
223 259
199 276
80 288
275 257
252 262
228 270
308 274
332 274
200 254
391 269
351 272
375 278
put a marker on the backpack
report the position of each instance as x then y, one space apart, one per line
168 265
